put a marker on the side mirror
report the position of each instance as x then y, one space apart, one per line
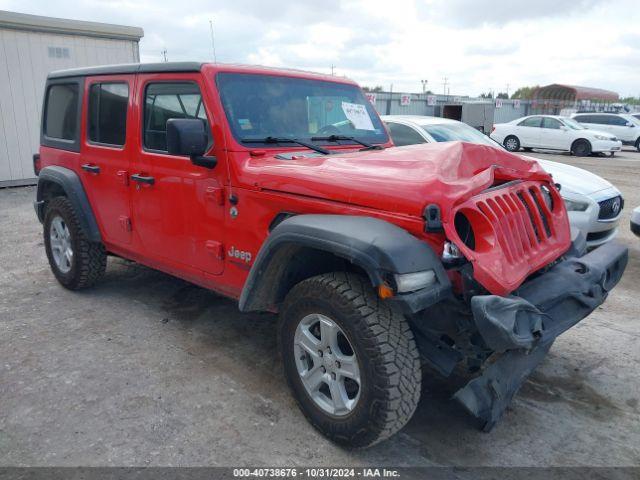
562 127
629 124
188 136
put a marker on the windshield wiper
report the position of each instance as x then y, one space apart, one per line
318 149
335 138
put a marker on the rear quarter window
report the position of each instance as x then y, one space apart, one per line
61 110
61 119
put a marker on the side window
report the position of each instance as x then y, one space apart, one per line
403 135
531 122
61 112
617 121
551 123
108 113
164 101
602 119
584 118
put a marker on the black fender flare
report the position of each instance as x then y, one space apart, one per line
378 247
70 183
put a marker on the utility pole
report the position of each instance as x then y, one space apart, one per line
164 55
507 90
333 67
424 85
213 44
444 86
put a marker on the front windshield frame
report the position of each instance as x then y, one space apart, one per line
571 123
232 101
476 136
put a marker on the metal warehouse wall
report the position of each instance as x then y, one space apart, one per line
25 59
389 104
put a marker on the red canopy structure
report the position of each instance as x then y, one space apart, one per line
573 93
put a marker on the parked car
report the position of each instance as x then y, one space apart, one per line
624 126
237 179
553 132
635 221
594 205
636 116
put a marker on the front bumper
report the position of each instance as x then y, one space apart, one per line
606 146
522 327
597 232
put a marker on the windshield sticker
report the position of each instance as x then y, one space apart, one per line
245 124
357 115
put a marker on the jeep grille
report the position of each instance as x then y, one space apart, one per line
511 232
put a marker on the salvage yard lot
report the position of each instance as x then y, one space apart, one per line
146 369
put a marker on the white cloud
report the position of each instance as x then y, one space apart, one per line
478 44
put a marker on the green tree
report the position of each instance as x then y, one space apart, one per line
503 95
376 89
524 93
630 100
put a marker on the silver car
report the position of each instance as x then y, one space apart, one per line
594 205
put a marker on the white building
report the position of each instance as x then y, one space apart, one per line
30 47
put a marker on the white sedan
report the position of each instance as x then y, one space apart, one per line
593 204
553 132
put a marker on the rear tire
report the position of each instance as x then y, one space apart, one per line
75 261
511 143
383 351
638 144
581 148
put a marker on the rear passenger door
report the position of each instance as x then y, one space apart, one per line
106 154
178 210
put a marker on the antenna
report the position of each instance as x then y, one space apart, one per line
213 44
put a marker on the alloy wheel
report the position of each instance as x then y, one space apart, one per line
61 248
327 364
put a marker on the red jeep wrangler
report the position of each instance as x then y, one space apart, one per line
278 188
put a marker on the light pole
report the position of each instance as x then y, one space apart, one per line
424 85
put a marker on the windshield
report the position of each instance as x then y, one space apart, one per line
451 132
571 123
261 106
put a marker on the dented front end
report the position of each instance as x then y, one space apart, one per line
523 280
510 231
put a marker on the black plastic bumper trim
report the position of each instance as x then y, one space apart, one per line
522 328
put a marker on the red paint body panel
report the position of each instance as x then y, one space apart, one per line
182 223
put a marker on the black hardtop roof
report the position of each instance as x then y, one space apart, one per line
128 68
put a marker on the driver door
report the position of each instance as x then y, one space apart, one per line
553 135
528 131
177 207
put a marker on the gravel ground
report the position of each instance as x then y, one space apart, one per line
146 369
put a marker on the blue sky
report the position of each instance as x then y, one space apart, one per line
478 45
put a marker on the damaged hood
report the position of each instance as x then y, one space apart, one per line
401 179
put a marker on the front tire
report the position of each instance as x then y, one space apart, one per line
75 261
638 144
581 148
349 358
512 143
